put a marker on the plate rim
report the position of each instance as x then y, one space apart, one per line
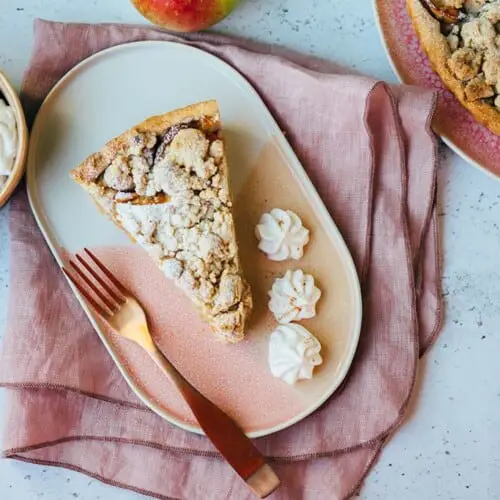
399 75
296 166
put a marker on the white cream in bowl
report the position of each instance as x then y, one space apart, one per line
8 141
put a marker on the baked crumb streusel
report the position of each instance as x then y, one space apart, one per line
165 183
462 40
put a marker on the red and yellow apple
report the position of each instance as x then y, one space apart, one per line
185 15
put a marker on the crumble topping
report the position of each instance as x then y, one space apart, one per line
472 6
474 41
465 63
170 193
478 34
119 175
477 88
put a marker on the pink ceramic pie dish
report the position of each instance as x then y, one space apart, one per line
457 127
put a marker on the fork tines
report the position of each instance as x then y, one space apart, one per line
102 290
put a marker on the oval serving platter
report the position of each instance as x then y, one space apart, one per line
474 142
119 87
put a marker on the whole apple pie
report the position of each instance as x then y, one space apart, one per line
462 41
165 182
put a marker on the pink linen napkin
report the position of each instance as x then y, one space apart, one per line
369 151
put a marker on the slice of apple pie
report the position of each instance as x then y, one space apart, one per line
165 182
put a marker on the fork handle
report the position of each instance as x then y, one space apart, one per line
226 436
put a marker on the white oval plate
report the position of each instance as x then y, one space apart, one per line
119 87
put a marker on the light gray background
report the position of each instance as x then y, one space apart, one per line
449 447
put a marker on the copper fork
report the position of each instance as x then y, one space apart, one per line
111 300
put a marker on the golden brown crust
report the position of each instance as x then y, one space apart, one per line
437 49
93 166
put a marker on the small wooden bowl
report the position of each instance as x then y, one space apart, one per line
8 93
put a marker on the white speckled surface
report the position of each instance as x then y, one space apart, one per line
450 446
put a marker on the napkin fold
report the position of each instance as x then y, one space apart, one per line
369 150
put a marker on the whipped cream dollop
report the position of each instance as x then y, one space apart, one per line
8 141
294 297
282 235
294 352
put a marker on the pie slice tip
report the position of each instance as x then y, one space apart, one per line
165 183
